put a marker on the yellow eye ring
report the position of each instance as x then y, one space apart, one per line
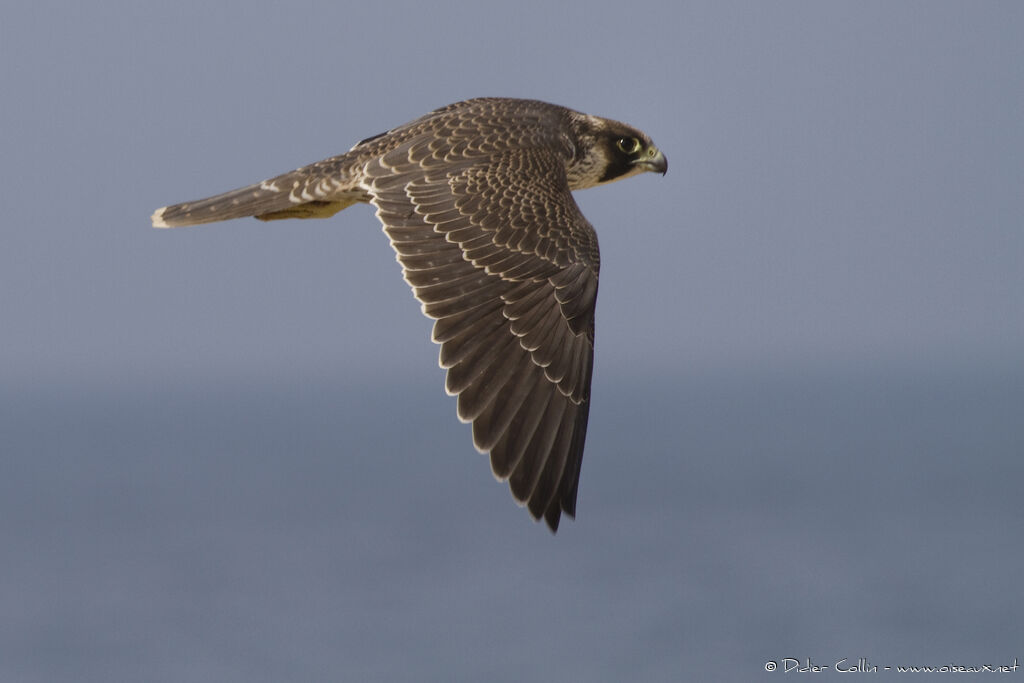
628 145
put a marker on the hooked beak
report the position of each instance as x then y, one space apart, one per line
653 161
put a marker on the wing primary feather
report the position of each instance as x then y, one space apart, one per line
507 453
523 479
491 427
551 474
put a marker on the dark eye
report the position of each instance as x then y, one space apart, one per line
628 145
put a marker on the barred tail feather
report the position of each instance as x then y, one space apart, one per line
299 194
253 200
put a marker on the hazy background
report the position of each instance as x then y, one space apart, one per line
225 452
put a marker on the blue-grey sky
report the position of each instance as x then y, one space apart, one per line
845 181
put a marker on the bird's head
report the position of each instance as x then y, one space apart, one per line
608 150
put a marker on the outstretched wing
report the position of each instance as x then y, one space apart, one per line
497 251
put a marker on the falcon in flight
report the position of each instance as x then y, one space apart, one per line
476 198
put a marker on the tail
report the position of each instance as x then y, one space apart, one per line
313 191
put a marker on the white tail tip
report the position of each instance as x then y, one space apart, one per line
158 218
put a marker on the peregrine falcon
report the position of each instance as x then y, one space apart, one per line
476 199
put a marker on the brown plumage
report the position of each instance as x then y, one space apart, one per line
476 200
